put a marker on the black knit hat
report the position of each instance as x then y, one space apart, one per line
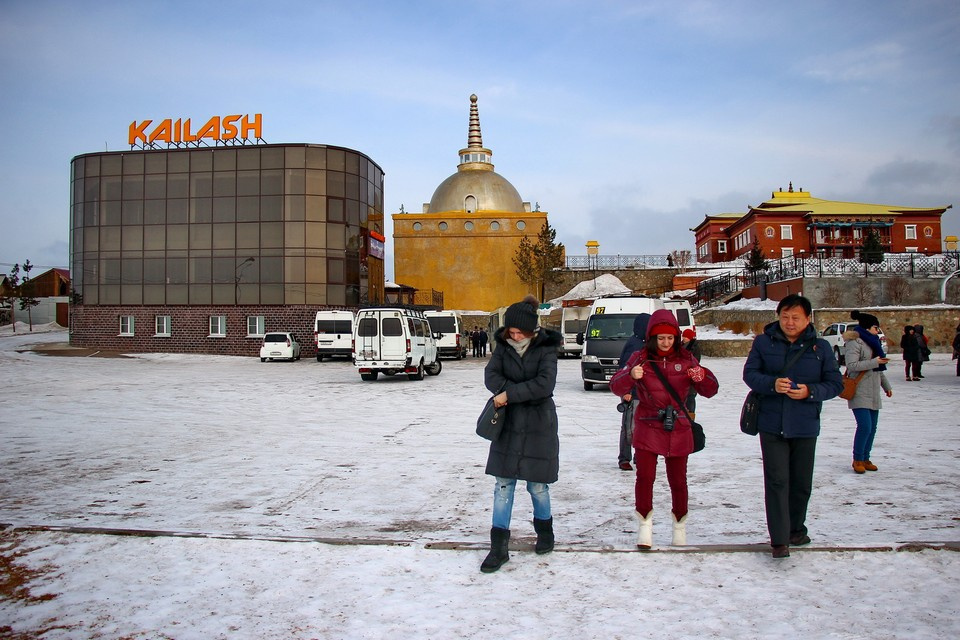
522 315
865 319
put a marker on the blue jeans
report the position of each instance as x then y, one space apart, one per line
867 420
503 501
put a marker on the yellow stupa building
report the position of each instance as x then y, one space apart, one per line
464 241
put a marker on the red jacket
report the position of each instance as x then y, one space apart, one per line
648 431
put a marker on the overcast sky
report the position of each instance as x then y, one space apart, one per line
626 121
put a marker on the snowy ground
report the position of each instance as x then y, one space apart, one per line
293 500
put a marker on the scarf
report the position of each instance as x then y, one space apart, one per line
874 343
520 346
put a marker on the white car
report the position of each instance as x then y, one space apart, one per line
279 346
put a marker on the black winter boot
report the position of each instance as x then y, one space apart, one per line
499 554
544 529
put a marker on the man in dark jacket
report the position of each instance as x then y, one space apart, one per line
636 342
789 418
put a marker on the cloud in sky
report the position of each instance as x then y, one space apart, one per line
627 121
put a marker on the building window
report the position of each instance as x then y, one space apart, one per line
494 226
126 325
787 252
163 326
857 233
255 326
468 225
417 226
218 326
442 226
721 246
911 232
786 232
912 249
521 225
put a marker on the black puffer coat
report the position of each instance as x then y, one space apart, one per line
528 447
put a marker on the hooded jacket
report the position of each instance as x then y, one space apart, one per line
652 395
859 357
529 445
817 368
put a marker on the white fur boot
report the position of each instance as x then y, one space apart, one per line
679 530
645 535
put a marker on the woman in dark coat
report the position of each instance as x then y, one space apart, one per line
651 436
911 353
789 418
522 372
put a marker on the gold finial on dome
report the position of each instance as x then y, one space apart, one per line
475 156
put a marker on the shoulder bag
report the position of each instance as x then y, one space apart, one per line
850 385
490 422
699 437
750 413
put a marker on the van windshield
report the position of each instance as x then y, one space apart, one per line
442 324
614 326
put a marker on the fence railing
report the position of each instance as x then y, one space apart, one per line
618 262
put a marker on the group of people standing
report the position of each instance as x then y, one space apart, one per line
478 342
789 368
915 351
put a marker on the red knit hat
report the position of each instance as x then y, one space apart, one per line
663 328
689 334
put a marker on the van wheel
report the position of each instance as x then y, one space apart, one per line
840 358
319 358
263 359
587 386
369 377
434 369
419 374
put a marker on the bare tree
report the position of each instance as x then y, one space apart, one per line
864 292
832 294
682 258
897 289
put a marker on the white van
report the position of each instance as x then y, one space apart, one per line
609 327
394 340
451 341
573 323
333 334
682 311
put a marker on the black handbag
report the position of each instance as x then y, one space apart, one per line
750 413
490 422
699 437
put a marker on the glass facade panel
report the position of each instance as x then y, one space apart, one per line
174 226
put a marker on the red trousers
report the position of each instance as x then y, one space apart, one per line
647 472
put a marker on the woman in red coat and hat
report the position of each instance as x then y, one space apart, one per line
660 426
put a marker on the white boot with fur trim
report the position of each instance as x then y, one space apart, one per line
679 530
645 535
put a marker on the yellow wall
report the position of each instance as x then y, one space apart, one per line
474 269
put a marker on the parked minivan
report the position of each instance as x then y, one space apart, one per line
333 334
393 340
609 327
451 341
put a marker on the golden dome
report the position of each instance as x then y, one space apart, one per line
475 186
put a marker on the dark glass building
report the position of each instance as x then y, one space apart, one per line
241 234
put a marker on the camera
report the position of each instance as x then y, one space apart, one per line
668 416
622 407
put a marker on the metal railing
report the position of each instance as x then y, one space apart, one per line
618 262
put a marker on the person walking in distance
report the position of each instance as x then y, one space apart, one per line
522 372
865 357
660 427
789 417
628 403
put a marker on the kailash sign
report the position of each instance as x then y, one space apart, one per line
217 128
